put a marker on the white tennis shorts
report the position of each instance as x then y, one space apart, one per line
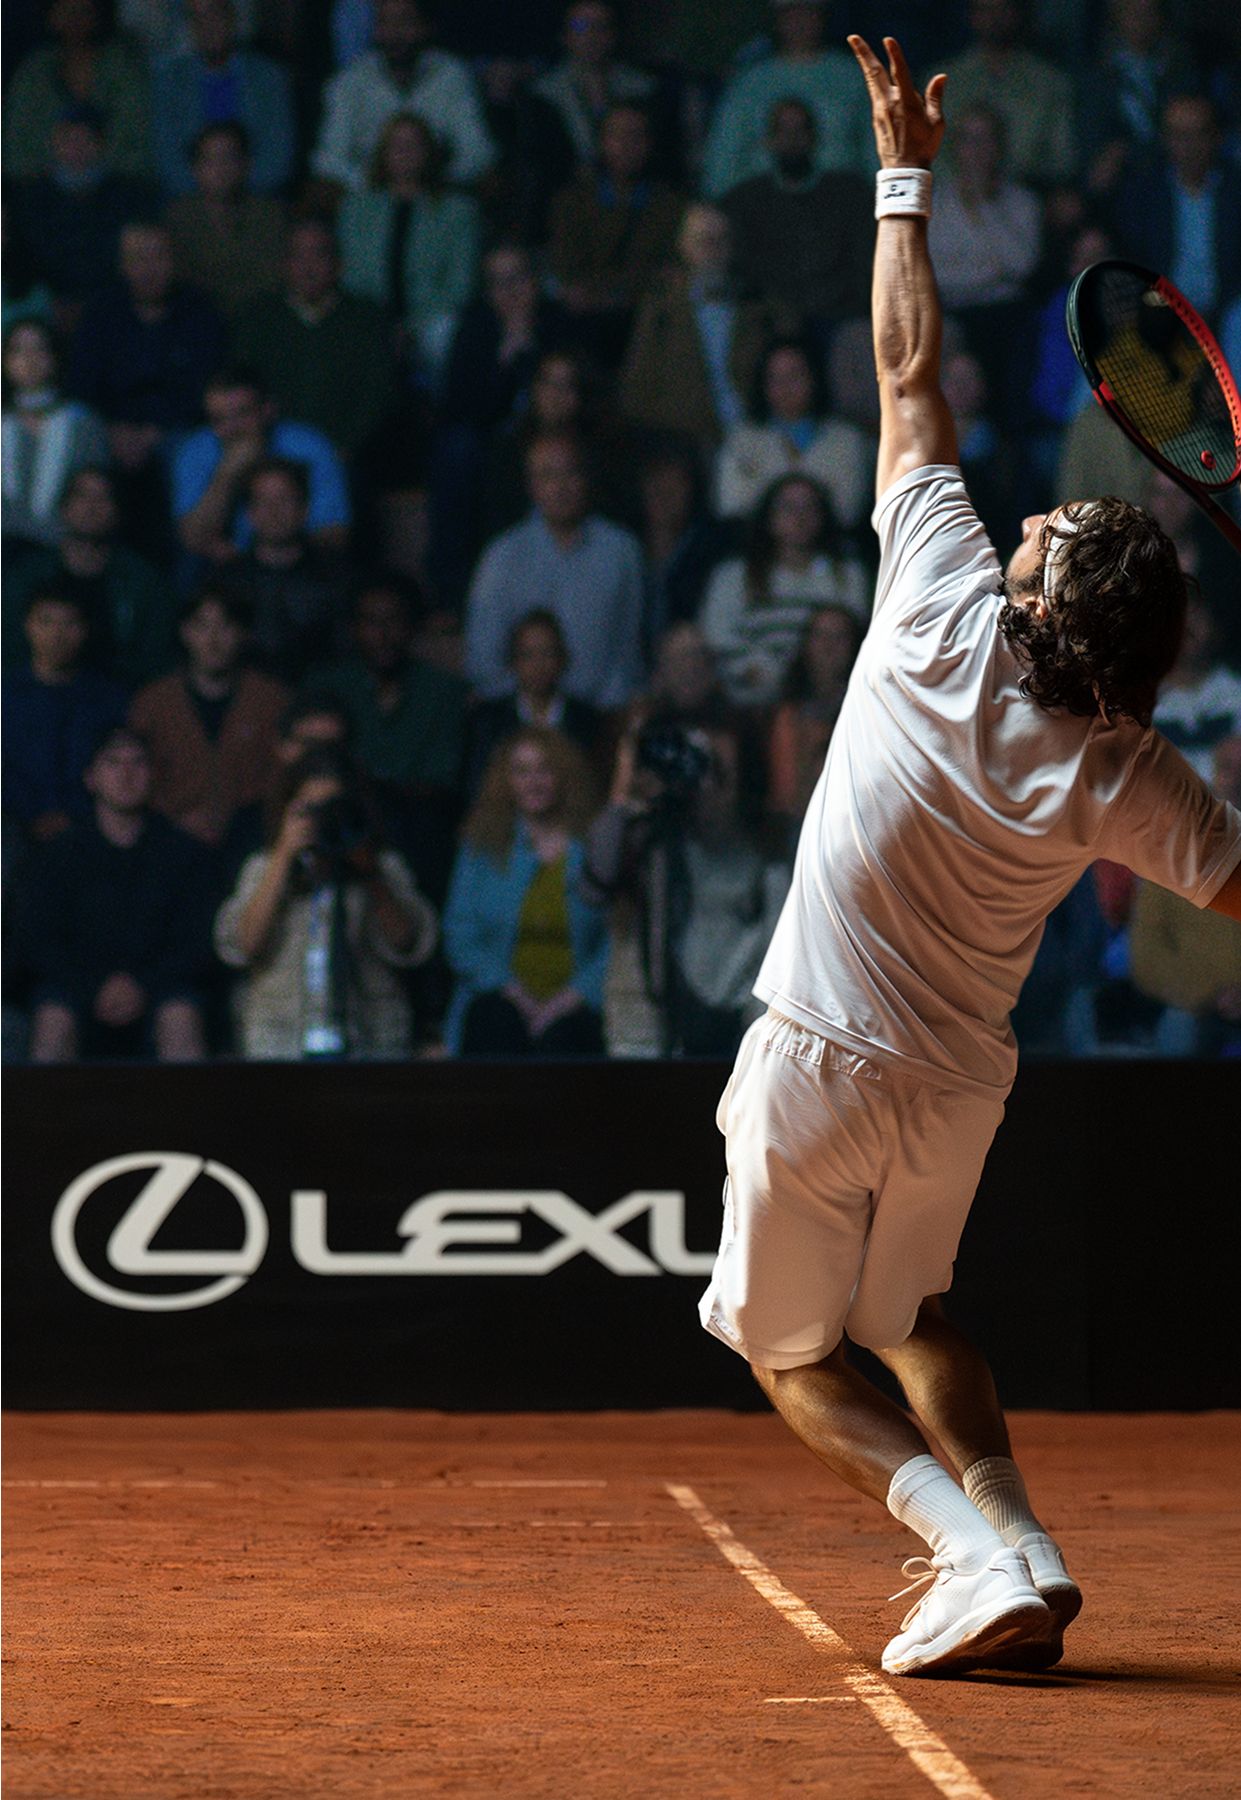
849 1184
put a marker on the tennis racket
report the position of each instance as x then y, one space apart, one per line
1155 368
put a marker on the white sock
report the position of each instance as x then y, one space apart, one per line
924 1496
995 1486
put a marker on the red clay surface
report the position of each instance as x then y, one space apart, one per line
323 1605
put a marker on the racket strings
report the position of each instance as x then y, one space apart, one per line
1162 379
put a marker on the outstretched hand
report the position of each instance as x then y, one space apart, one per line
909 126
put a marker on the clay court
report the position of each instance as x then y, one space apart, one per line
253 1606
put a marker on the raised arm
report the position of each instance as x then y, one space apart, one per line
916 426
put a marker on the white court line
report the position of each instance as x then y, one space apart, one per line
110 1484
910 1733
810 1700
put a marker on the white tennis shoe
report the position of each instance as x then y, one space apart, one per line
1063 1597
967 1615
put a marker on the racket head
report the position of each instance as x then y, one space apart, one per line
1154 365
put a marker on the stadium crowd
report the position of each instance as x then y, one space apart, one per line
438 446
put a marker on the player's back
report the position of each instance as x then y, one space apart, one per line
953 813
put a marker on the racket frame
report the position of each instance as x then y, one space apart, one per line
1205 339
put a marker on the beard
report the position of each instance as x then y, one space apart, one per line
1023 587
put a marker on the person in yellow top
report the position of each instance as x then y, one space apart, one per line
528 948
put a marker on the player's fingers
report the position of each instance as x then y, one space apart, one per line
902 80
935 98
870 65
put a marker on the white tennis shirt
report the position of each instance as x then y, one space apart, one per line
953 814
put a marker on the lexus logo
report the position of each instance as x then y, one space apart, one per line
129 1247
469 1232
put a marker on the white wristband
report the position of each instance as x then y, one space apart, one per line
903 193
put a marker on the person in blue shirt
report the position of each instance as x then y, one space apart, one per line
212 468
528 950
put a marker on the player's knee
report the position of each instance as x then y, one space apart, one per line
772 1380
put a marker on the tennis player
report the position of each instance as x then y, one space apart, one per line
994 741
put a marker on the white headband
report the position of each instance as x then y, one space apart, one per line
1063 532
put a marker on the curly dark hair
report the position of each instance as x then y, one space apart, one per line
1113 628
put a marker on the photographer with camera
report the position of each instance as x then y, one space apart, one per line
682 833
323 921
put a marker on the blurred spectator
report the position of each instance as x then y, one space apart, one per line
117 936
790 433
324 354
563 110
1179 214
681 542
407 243
1122 90
226 239
1031 95
401 74
162 30
756 608
213 466
1096 459
325 921
1186 957
216 83
695 343
26 294
853 390
497 347
804 235
987 460
564 398
538 660
1199 701
1058 390
588 81
1056 1012
210 727
802 726
499 342
528 950
71 213
709 894
294 588
143 351
575 564
984 242
1201 551
81 64
684 688
710 39
129 606
407 721
45 438
825 80
54 711
612 231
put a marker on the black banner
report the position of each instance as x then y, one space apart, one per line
536 1236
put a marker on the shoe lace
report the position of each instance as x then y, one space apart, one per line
923 1569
